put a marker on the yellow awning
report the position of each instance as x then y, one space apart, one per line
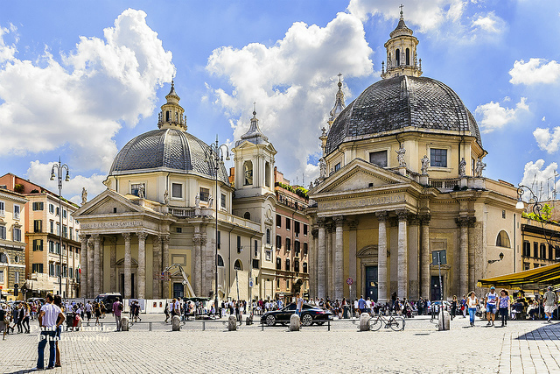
529 279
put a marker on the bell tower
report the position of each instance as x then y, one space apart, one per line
171 115
401 53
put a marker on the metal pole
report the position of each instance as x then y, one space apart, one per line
60 228
440 291
216 259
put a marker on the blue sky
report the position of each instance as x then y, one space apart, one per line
80 79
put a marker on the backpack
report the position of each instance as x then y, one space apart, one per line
120 306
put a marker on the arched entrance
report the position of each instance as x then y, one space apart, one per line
119 265
368 264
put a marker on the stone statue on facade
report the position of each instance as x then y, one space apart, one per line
166 197
480 166
141 191
84 195
210 202
425 163
462 167
197 201
322 168
400 157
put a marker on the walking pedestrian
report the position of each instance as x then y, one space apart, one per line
3 320
472 302
299 306
504 306
550 301
88 311
491 305
453 307
97 312
58 303
50 318
25 321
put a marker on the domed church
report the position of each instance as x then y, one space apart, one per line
401 183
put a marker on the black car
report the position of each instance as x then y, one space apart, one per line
310 314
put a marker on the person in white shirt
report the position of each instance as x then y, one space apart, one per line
50 318
472 302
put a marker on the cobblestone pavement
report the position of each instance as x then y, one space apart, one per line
521 347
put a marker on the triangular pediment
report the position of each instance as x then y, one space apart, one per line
106 203
359 175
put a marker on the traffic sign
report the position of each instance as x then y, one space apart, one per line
349 281
251 282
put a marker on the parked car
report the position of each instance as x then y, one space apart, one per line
108 299
310 314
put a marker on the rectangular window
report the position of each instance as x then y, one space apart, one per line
288 224
223 201
268 256
278 241
71 273
57 270
51 208
278 263
296 247
526 249
51 227
256 248
38 244
1 276
3 232
278 220
535 249
526 266
38 206
278 283
268 236
177 190
550 252
438 157
296 228
255 263
65 231
305 229
378 158
58 229
135 189
239 244
296 266
305 249
37 225
287 284
204 194
16 211
57 211
288 245
51 247
37 268
71 238
2 209
17 234
64 213
337 167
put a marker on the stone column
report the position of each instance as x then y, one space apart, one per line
322 260
339 260
382 258
463 223
91 269
474 237
165 263
425 257
197 273
112 263
127 265
96 265
142 265
311 263
83 266
330 261
353 248
402 255
157 269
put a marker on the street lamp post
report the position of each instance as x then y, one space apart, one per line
60 169
537 206
217 154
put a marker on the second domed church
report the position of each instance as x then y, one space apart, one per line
400 182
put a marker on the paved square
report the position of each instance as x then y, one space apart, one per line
521 347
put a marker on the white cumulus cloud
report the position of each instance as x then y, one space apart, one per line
40 173
293 83
495 116
489 22
83 101
548 141
536 70
7 51
541 181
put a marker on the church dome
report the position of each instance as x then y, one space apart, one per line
169 150
400 102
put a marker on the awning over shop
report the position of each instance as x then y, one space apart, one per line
533 279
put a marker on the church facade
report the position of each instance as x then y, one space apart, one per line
401 183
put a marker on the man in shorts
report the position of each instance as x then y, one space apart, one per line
491 305
550 300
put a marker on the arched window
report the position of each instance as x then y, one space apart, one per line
267 236
177 114
248 173
220 261
305 267
267 174
238 265
167 116
287 264
503 240
408 56
398 53
3 258
296 266
247 215
278 263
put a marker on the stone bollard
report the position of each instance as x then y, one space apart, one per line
232 323
444 322
249 321
364 322
294 322
124 323
176 323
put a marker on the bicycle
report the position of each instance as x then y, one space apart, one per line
394 322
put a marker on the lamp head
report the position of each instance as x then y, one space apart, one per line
501 256
52 173
519 204
67 176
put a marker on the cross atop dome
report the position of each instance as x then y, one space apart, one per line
401 52
339 104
